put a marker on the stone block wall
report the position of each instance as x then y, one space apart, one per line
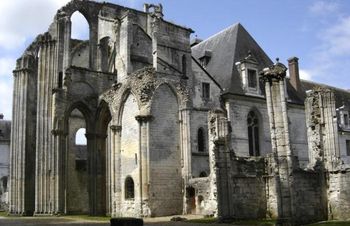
309 197
199 202
339 195
245 189
165 192
248 190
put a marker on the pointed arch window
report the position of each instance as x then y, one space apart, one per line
253 134
201 140
129 188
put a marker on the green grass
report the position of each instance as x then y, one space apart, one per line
206 220
235 222
331 223
86 217
3 214
255 222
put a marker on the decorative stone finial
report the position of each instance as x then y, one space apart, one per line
277 72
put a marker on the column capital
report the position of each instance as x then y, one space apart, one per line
57 132
143 118
116 128
276 72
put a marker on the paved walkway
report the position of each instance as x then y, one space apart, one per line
41 221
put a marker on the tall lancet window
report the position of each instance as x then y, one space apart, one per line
253 134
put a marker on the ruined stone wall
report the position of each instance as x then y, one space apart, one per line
309 198
246 188
77 186
129 156
199 201
339 195
165 192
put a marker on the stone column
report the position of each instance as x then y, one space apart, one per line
218 150
115 165
58 200
144 163
23 137
274 78
44 155
322 128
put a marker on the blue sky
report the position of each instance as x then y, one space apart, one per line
316 31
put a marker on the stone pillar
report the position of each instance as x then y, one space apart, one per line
59 146
144 163
218 157
44 151
274 78
116 184
21 199
322 129
186 155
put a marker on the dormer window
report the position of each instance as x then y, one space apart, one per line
204 60
252 78
343 117
248 69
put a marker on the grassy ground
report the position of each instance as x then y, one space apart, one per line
235 222
331 223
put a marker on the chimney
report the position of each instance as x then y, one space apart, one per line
1 116
294 73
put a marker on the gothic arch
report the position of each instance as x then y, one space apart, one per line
254 132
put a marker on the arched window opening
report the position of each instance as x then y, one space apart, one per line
253 134
201 140
80 138
80 27
184 66
129 188
203 174
200 201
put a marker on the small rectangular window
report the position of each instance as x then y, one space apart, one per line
346 119
205 90
252 83
348 147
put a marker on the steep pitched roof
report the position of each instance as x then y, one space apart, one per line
228 47
341 96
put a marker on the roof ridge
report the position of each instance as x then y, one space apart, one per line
231 27
325 85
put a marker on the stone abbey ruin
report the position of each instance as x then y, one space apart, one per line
173 126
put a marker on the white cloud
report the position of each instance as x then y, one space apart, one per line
337 38
22 20
324 7
7 65
6 98
305 74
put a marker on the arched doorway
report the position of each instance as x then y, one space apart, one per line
77 181
101 190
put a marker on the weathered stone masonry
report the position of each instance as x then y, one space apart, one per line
172 127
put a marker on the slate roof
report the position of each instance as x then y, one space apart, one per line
232 45
228 47
342 96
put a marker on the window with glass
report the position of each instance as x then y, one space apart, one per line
253 134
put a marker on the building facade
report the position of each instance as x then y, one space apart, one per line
5 133
210 127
